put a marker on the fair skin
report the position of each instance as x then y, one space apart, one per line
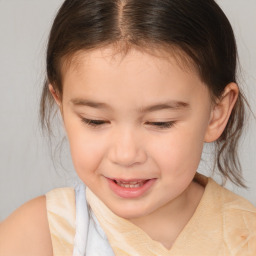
133 140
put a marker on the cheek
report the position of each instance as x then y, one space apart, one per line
85 150
180 153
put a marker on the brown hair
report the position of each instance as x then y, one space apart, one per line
198 28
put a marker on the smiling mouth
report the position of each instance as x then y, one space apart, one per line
130 184
132 188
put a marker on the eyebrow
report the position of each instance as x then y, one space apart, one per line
89 103
171 105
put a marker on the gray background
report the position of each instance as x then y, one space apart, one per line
26 167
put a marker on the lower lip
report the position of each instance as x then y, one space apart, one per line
130 192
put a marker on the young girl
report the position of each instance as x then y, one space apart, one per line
141 86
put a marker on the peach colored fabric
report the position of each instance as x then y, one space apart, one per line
61 213
224 224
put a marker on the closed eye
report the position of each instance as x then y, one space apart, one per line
93 123
98 123
162 125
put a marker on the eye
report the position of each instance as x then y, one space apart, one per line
93 123
162 125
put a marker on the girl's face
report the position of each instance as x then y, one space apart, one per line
136 128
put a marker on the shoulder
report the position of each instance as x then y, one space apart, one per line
61 207
26 231
227 199
239 222
66 194
235 203
40 226
61 214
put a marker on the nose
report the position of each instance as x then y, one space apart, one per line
127 149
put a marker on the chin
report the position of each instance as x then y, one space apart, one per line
129 216
132 212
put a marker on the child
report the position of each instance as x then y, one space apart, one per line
141 86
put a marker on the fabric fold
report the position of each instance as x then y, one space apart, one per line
61 214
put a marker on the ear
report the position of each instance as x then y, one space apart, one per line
55 95
221 112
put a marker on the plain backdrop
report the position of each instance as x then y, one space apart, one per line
26 167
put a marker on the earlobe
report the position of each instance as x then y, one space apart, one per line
221 112
54 95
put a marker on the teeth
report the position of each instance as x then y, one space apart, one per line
134 184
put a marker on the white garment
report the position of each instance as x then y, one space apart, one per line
90 239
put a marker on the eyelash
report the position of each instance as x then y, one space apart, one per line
162 125
93 123
98 123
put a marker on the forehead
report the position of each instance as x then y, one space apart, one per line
104 72
115 54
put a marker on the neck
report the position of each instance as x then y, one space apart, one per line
165 224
